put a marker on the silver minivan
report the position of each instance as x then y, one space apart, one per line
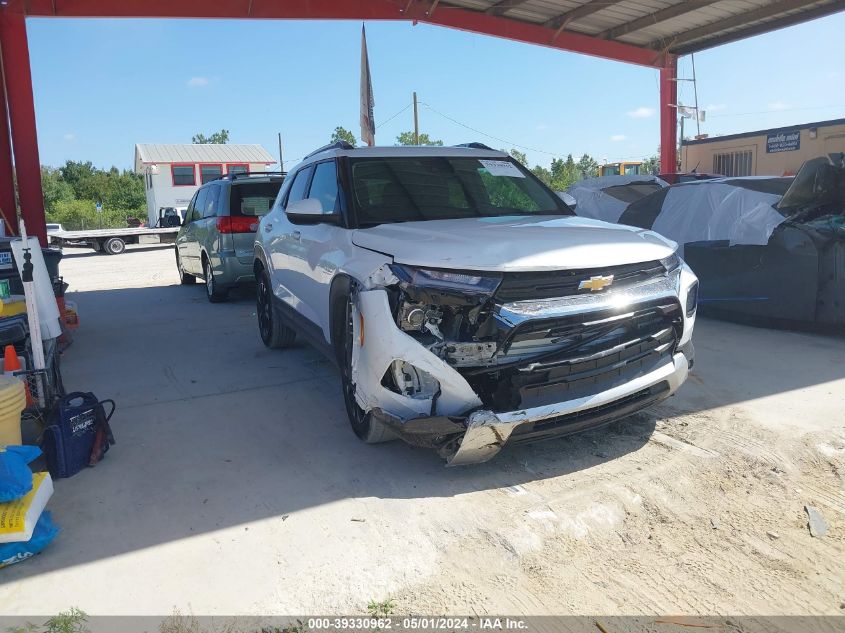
217 236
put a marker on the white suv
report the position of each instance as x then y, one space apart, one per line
466 305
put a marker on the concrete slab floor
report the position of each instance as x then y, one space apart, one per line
236 486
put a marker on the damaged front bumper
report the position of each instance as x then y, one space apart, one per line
446 412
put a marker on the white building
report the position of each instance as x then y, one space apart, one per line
172 173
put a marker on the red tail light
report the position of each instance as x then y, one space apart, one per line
237 224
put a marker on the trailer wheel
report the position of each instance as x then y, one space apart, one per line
114 246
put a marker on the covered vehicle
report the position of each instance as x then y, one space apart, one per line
607 197
770 249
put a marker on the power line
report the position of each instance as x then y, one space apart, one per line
383 123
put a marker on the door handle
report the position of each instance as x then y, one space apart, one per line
268 227
297 235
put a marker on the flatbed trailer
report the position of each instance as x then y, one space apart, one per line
113 241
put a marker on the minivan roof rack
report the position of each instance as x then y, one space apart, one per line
476 145
336 145
249 174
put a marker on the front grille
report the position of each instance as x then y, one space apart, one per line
564 283
552 360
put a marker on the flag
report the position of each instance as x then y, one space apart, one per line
368 125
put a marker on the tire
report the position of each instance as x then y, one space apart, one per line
274 334
364 425
215 293
184 278
113 246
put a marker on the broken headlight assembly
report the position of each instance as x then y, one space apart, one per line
446 281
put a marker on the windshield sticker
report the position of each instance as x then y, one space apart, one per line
502 168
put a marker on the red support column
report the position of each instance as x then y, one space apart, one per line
18 79
669 116
8 208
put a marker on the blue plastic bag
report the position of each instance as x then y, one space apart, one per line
15 475
44 533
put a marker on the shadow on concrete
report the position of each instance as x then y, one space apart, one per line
75 252
214 430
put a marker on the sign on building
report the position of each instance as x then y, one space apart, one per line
783 142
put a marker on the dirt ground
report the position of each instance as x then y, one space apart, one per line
236 486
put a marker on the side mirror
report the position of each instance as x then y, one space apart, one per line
568 199
309 210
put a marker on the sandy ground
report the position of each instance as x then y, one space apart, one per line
236 486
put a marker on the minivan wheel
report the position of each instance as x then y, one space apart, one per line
184 278
365 426
212 290
273 333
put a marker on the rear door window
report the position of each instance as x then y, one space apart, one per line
199 204
324 186
253 198
211 203
300 185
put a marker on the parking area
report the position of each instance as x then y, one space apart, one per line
237 487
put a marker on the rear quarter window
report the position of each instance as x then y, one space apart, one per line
253 198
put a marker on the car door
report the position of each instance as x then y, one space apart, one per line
186 236
192 247
206 227
311 251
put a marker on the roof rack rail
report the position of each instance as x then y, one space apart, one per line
247 174
476 145
336 145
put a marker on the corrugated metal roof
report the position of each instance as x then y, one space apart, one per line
195 153
674 26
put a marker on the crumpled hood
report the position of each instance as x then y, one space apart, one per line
514 243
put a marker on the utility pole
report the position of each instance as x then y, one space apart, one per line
695 93
416 122
281 162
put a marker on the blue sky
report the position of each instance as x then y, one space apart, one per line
103 85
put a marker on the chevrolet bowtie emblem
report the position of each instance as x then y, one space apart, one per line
594 284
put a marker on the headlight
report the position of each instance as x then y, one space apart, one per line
692 299
445 280
671 263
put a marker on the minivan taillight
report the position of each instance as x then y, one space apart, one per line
237 224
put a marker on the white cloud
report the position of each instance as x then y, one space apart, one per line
641 113
715 107
778 106
70 137
197 82
618 137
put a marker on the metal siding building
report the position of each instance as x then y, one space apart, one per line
773 152
172 173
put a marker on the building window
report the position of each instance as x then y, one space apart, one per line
237 169
183 175
210 172
733 163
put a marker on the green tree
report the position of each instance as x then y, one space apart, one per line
54 187
588 167
563 173
407 138
519 156
543 174
218 138
342 134
651 165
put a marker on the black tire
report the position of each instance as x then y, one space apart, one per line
364 425
113 246
184 278
213 291
274 334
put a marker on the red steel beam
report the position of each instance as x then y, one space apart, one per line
18 79
669 116
463 19
8 207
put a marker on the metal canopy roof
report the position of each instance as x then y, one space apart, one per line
673 26
202 153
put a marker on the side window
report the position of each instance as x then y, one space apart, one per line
300 184
199 204
189 212
324 185
211 203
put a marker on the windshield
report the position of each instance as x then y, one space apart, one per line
417 188
818 184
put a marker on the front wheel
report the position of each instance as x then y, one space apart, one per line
273 333
365 426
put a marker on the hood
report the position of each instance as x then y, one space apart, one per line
514 243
